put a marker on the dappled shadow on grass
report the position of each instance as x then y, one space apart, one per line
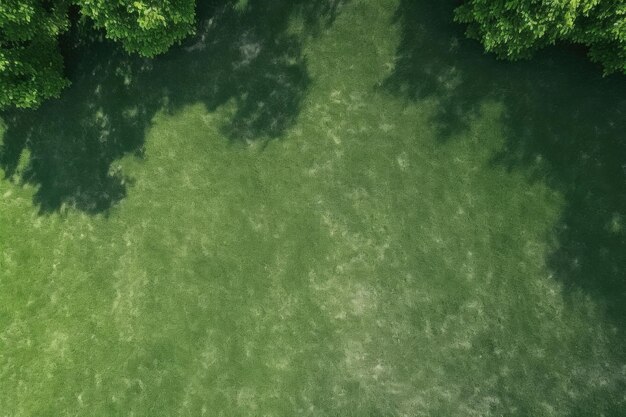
569 130
563 123
435 61
244 56
71 142
247 57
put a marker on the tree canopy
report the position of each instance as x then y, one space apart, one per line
148 27
31 65
514 29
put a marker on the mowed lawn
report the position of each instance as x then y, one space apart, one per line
316 209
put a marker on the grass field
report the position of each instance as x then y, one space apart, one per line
316 209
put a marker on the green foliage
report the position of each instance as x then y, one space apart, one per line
31 65
148 27
514 29
30 61
604 31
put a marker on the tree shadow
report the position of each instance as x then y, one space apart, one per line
435 61
563 123
569 130
71 142
247 56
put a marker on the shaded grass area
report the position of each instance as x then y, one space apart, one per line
240 55
316 208
562 122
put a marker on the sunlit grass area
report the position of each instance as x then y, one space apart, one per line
316 209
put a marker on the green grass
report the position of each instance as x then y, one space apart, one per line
311 210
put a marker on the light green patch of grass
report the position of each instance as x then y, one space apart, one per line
364 218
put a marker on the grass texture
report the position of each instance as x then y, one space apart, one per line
331 208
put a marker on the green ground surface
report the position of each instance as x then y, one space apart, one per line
310 210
